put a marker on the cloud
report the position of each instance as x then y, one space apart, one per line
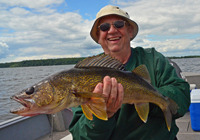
37 29
43 34
172 47
170 26
19 11
3 50
30 3
165 17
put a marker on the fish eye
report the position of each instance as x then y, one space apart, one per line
30 90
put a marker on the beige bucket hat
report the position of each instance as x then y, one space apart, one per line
112 10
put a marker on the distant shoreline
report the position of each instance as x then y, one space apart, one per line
180 57
59 61
43 62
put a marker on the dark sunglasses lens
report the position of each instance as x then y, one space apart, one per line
119 24
104 26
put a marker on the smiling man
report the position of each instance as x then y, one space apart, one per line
115 41
113 30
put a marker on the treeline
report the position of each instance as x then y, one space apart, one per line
175 57
60 61
45 62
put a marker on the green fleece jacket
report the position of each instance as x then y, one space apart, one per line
126 124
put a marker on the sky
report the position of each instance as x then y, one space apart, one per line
44 29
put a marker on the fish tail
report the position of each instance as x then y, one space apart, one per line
97 106
168 118
171 109
173 106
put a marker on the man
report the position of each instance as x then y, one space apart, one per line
113 30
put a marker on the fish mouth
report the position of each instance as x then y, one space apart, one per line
26 105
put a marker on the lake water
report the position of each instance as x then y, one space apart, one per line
13 80
189 64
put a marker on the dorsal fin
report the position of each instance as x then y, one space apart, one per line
143 72
102 60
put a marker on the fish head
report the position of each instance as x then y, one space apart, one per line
37 99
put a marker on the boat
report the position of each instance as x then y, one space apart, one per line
37 127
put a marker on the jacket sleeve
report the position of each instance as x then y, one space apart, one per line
83 129
169 84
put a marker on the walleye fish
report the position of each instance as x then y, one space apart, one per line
74 87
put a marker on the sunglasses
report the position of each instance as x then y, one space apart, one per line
117 24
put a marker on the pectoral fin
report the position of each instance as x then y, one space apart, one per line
95 105
142 110
98 108
87 112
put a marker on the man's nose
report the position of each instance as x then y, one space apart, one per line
112 29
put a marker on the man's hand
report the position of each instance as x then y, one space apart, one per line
113 92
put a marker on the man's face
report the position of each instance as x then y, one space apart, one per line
114 40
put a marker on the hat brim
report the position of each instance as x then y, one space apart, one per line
94 29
